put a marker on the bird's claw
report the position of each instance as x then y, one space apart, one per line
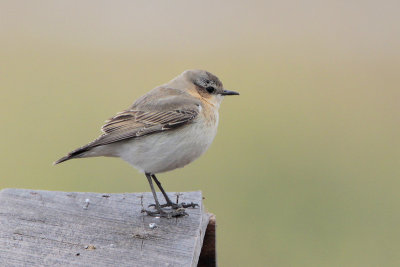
166 214
177 206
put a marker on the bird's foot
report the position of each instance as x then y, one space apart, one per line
166 213
177 210
177 206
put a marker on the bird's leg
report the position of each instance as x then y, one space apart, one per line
169 202
159 211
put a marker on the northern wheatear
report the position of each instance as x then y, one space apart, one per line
167 128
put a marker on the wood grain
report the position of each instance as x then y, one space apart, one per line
47 228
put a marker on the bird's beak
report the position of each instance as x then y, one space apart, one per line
227 92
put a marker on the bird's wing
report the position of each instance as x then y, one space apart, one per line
135 123
144 120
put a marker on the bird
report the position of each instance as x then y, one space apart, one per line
165 129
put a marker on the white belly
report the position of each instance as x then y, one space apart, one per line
169 150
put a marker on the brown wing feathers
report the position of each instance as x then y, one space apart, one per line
133 120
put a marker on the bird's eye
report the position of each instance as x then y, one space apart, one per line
210 89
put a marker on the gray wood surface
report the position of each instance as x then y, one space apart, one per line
47 228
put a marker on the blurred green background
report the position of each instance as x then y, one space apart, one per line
305 168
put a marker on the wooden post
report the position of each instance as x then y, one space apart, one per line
46 228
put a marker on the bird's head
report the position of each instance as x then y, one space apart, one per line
206 85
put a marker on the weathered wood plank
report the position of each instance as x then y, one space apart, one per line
46 228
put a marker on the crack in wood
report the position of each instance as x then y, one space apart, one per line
47 239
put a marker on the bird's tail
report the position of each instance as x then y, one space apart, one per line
77 153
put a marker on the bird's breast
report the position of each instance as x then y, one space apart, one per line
209 113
